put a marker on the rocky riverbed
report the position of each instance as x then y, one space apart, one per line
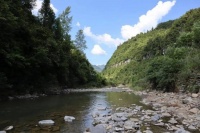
165 113
170 113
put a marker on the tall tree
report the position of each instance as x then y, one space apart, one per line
47 15
80 41
65 21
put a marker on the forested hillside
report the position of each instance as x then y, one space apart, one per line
166 58
37 52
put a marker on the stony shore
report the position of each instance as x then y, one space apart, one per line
170 113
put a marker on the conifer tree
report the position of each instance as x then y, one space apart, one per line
46 14
80 42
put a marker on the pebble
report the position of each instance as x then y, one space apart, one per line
194 110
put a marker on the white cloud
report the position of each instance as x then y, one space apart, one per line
97 50
149 20
78 24
104 38
39 5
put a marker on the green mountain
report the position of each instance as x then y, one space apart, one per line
165 58
98 68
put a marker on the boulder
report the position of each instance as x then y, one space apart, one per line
96 114
194 110
46 122
69 118
166 115
185 101
195 95
129 125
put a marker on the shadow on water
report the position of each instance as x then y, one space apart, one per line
25 114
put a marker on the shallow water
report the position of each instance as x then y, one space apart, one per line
25 114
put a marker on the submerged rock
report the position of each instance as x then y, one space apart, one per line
98 129
69 118
9 128
101 108
46 122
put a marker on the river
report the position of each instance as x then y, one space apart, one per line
25 114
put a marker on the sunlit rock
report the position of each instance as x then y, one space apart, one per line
69 118
46 122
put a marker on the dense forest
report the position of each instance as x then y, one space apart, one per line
37 52
166 58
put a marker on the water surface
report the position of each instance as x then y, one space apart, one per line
25 114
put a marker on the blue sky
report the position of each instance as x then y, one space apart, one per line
108 23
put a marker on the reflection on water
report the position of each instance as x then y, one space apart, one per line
25 114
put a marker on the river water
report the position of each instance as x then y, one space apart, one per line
25 114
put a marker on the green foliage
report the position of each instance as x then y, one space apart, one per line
196 34
162 73
80 42
165 25
65 21
37 53
47 15
166 58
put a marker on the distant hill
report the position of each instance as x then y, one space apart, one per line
98 68
165 58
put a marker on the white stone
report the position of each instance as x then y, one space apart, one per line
9 128
46 122
195 95
118 129
69 118
101 108
2 131
191 127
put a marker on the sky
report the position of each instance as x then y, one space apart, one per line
108 23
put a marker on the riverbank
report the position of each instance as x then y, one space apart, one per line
66 91
170 113
183 107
